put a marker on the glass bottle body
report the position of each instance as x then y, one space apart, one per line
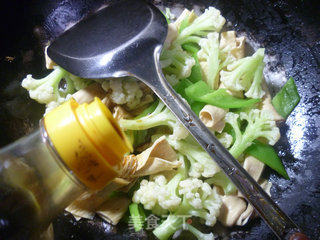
35 186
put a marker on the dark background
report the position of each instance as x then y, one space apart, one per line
290 32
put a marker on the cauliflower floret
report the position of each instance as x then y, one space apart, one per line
160 116
209 54
260 124
199 195
245 74
201 163
179 132
199 200
160 195
158 192
44 90
52 105
175 61
210 21
255 90
146 194
191 187
134 94
123 92
165 199
47 90
117 94
225 139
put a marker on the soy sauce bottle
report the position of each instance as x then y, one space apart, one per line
76 148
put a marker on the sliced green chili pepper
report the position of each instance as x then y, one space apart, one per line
181 86
197 107
266 154
200 92
286 99
197 90
222 99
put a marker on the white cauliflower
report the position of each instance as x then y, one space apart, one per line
201 163
245 74
45 90
199 200
175 61
48 90
190 189
158 192
200 196
161 116
260 124
123 91
210 21
209 59
225 139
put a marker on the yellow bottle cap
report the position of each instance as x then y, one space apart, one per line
89 141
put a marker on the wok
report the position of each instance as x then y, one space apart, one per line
289 30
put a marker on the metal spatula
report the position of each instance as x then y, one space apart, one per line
125 39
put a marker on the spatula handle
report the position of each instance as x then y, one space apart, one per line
278 221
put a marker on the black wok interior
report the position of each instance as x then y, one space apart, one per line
290 32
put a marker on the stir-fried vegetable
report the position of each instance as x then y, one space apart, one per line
220 98
49 91
193 49
266 154
287 99
161 116
221 180
201 163
210 20
169 173
259 124
198 199
245 74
